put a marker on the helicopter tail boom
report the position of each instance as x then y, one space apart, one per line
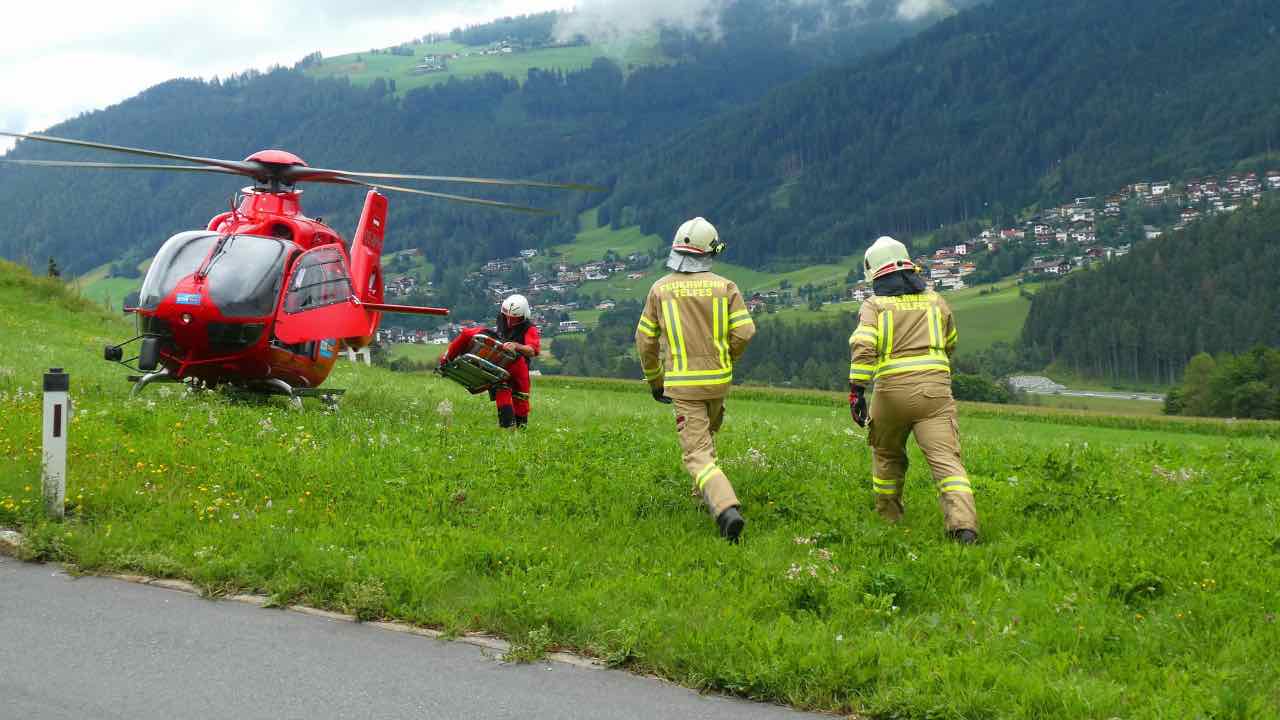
406 309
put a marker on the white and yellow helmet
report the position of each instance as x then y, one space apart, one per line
886 256
697 237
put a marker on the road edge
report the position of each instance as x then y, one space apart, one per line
11 543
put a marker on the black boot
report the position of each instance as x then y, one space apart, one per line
730 523
522 422
506 416
964 537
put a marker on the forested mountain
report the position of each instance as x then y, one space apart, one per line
1001 106
1206 289
583 125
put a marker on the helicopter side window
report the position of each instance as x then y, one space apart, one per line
320 279
180 256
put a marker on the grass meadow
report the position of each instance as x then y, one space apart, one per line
1128 568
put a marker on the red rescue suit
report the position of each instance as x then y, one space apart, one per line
512 398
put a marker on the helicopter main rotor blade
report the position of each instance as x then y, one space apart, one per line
118 166
305 174
442 196
242 168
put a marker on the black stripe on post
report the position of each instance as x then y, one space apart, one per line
57 420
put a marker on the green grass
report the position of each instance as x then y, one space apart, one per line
363 68
98 287
593 241
987 319
1128 568
1111 406
589 318
983 319
414 352
1116 406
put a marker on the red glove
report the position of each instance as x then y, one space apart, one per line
858 404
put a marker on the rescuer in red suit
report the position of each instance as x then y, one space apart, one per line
516 331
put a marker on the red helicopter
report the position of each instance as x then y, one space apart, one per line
264 298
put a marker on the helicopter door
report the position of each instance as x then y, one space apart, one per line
319 303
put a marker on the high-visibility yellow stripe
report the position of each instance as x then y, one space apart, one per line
935 332
955 485
715 324
861 373
672 354
652 324
922 363
866 333
739 323
738 314
652 373
679 330
726 361
702 373
705 475
697 383
884 487
886 335
694 378
646 331
720 328
942 346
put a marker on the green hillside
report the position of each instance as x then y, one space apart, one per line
1005 105
583 115
364 68
579 534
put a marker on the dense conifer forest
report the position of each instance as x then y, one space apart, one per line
1141 318
1003 106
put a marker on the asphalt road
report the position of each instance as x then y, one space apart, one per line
101 648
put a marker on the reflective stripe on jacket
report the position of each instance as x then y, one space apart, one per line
902 335
694 327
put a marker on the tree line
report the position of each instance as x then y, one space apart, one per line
784 353
1240 386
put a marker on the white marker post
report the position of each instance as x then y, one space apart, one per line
57 416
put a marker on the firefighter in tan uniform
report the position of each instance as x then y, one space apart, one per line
704 325
904 341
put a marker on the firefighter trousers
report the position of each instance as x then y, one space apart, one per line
925 407
697 422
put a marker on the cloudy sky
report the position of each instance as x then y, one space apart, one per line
58 59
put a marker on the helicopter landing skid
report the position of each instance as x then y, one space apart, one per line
141 381
328 396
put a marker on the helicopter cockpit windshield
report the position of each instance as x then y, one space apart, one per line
243 274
